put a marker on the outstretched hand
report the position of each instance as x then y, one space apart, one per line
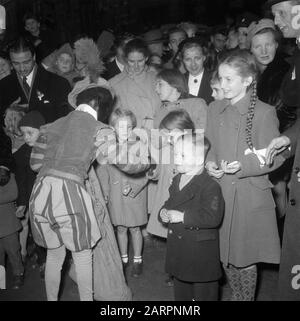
276 146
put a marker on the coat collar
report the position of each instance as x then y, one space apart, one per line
188 191
242 105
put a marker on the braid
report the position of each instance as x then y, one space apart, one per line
250 115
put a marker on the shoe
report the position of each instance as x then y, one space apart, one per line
18 281
137 269
125 265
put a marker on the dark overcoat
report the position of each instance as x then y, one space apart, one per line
193 246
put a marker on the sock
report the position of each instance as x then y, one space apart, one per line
137 259
124 258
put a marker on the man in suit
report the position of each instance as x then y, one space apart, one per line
194 55
32 87
116 66
286 18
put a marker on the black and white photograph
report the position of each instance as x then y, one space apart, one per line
149 156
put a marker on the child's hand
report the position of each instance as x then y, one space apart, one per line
164 215
175 216
213 170
231 168
20 212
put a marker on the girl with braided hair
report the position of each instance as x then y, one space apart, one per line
239 127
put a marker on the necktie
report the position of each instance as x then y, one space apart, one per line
26 86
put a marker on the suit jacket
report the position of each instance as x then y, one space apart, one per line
205 91
193 246
112 70
49 94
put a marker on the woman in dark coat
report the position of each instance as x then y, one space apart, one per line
262 39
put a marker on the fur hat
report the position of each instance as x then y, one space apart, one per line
87 52
32 119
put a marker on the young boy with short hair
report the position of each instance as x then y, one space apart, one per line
194 211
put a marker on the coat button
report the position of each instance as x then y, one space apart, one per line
296 170
292 202
191 228
180 237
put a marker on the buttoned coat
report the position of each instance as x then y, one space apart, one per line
193 246
137 93
248 234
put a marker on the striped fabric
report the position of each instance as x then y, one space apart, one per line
38 150
62 213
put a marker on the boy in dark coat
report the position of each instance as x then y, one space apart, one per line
193 212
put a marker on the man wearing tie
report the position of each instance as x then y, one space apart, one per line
31 86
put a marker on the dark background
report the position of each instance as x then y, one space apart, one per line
70 17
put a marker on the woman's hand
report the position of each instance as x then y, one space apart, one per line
213 170
231 168
164 215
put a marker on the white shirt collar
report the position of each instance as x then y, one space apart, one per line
29 78
88 109
195 85
120 66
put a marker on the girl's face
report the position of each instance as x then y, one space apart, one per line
30 135
233 85
123 128
64 63
263 47
164 90
193 60
136 62
217 91
4 68
242 37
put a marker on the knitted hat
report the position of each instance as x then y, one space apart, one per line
32 119
270 3
257 26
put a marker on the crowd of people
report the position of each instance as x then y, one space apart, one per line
185 133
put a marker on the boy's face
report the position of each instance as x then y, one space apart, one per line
30 135
187 156
123 128
217 91
64 63
4 176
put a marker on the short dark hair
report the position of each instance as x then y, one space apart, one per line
198 139
180 118
21 45
195 42
175 79
104 100
137 45
30 15
219 30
